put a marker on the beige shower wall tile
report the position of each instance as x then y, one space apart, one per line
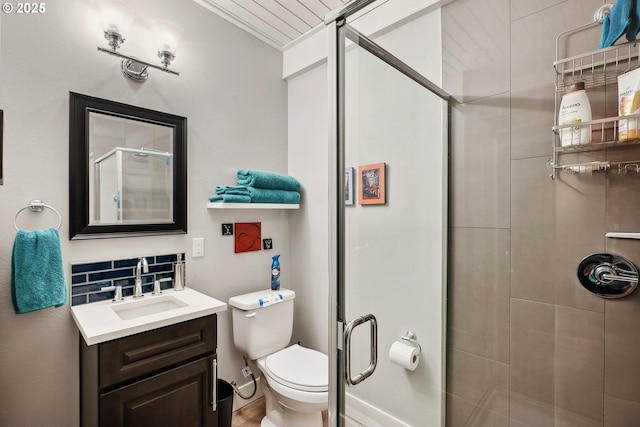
460 412
528 412
479 171
532 112
533 235
533 41
623 194
475 48
580 225
481 381
620 412
532 351
622 346
554 225
556 364
579 364
622 343
478 292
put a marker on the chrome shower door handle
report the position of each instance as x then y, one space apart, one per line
374 348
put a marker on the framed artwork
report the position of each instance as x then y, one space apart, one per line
248 237
371 184
348 186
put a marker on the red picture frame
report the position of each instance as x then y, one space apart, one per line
372 184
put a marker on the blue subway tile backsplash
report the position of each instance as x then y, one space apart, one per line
88 279
94 266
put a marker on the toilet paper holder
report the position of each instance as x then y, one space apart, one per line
412 339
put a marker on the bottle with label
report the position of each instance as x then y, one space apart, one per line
575 108
275 273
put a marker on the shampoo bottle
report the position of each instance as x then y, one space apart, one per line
275 273
574 108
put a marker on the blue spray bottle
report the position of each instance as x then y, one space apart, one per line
275 273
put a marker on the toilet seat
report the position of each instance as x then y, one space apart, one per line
299 368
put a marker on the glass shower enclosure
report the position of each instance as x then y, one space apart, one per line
132 185
388 295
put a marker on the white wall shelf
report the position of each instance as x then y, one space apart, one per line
619 235
252 206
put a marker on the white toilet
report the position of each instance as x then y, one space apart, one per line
295 379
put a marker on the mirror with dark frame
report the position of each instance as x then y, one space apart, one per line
127 170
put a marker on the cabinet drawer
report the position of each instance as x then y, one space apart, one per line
140 355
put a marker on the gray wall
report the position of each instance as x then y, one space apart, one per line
528 346
232 92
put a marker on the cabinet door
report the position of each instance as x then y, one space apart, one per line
178 397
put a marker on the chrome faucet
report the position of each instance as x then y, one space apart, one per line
144 266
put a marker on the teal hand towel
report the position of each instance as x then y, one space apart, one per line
265 195
37 275
623 19
264 179
229 198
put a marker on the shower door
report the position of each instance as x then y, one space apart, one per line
390 238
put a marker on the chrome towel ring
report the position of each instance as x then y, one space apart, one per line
37 206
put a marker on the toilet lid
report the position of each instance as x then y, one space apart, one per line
299 368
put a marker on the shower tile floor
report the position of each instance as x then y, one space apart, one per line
251 415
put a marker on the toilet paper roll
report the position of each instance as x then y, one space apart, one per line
405 355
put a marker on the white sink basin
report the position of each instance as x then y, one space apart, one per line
147 306
105 320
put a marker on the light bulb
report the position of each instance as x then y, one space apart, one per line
167 36
115 17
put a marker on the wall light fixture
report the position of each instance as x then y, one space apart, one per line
116 17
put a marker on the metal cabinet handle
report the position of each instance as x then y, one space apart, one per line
374 348
214 384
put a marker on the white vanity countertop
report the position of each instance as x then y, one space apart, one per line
98 322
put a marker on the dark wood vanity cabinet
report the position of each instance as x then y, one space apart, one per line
163 377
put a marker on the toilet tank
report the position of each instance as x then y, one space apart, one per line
262 321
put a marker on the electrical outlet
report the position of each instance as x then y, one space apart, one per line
246 371
198 247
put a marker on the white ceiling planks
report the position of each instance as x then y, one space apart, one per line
277 22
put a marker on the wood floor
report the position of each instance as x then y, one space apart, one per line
251 415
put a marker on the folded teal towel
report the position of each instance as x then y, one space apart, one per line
264 179
623 19
265 195
229 198
239 190
243 194
37 275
